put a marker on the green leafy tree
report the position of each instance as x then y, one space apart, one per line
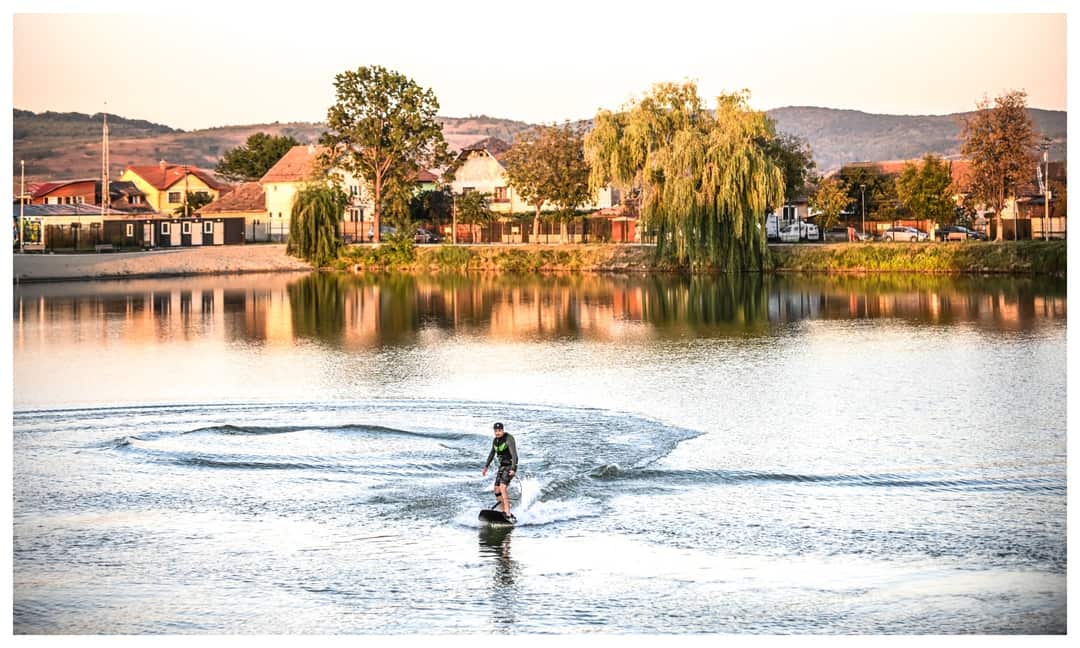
473 209
434 206
382 128
830 199
704 178
194 201
251 161
547 164
927 190
878 187
1000 142
793 155
313 230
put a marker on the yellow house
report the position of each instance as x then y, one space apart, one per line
291 173
165 185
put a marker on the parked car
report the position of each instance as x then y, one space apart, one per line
798 231
955 232
904 234
425 236
790 234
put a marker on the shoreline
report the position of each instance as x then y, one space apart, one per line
1022 258
155 264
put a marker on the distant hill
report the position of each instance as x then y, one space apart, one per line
841 136
68 145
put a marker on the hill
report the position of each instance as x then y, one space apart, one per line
838 137
68 145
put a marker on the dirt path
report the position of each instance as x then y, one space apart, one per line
222 259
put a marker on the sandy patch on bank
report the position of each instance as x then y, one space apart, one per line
222 259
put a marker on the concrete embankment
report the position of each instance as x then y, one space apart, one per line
179 262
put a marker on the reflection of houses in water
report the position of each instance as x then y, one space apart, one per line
1001 303
151 311
364 312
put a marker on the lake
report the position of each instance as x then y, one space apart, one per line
266 454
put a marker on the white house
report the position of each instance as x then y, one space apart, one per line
299 167
481 168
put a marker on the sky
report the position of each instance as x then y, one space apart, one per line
215 65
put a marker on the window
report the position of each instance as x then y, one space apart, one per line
129 230
174 197
465 190
500 194
186 227
354 190
165 228
207 227
202 194
79 200
135 200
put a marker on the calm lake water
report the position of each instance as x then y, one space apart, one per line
302 454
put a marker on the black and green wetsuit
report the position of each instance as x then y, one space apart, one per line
508 457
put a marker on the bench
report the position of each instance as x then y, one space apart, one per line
103 247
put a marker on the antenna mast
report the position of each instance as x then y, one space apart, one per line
105 193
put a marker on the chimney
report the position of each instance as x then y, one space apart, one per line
162 165
311 149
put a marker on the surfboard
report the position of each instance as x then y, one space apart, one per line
495 517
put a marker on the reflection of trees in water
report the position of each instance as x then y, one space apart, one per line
731 303
392 309
317 304
495 544
1007 302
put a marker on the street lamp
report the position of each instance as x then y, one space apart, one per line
862 188
1045 146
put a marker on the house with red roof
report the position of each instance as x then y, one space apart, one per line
167 185
481 167
87 191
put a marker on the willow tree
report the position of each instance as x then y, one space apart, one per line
316 212
705 180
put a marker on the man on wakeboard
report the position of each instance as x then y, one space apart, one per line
504 446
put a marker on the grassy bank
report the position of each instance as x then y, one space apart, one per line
1010 257
1006 257
500 258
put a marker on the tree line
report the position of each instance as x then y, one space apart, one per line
701 175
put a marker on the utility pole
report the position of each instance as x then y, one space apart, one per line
453 213
22 203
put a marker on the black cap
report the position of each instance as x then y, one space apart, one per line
498 426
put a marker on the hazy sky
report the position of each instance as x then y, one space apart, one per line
212 65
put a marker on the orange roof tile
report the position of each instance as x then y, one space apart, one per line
295 166
246 197
161 177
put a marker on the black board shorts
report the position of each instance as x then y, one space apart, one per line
504 476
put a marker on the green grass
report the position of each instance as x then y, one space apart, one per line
1010 257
